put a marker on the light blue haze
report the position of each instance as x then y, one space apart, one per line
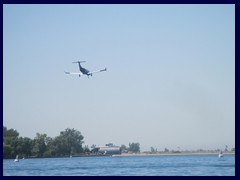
170 79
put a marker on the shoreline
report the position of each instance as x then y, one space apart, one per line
137 154
171 154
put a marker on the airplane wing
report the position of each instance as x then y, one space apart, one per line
78 73
92 72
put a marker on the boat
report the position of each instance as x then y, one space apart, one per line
220 155
16 160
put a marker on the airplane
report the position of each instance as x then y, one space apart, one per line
84 71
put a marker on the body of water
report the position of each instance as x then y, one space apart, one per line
167 165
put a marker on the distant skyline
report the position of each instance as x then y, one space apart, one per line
170 79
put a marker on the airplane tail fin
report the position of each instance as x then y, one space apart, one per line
79 62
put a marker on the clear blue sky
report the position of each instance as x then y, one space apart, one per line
170 79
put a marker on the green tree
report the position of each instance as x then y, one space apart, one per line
166 150
226 148
51 147
134 147
153 150
124 148
7 151
10 142
86 149
9 133
93 146
69 142
39 145
27 146
19 145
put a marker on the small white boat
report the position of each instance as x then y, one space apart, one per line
220 155
16 160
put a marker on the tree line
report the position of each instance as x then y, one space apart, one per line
68 142
133 148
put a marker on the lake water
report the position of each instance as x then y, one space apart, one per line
179 165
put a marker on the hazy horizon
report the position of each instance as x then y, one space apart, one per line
170 79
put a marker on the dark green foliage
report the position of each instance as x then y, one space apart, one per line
86 149
134 147
69 142
10 132
154 150
11 145
166 150
7 150
124 148
39 145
